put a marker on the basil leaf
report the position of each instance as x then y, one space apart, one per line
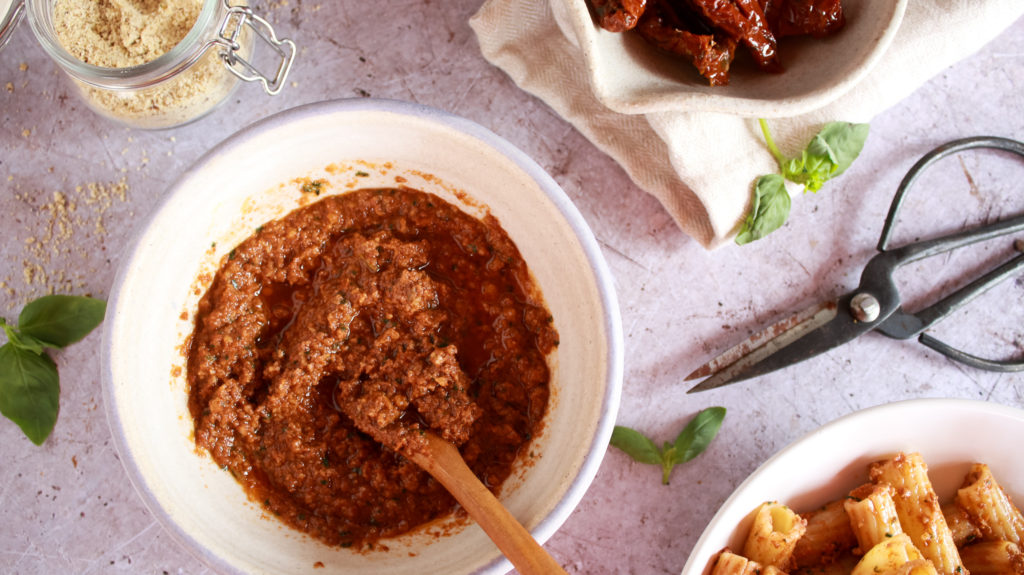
29 391
817 168
636 445
26 342
669 458
60 320
691 442
697 435
842 142
771 204
793 170
829 153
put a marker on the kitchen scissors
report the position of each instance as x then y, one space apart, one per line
875 304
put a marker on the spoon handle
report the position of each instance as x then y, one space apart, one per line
443 461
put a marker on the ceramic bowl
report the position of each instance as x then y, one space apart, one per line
631 77
248 180
826 464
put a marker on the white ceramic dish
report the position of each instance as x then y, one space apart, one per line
824 465
631 77
248 180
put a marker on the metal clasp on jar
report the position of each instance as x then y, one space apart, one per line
235 21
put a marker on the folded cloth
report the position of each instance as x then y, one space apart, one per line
666 153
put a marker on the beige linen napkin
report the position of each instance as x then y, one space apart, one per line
666 153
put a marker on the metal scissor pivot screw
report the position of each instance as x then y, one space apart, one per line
865 307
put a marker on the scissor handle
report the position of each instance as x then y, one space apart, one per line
971 360
877 277
953 302
947 149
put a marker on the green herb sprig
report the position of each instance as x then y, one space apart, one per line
691 442
827 156
29 383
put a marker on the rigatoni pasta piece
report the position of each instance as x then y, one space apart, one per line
989 507
916 567
872 514
993 558
773 535
960 524
827 538
729 563
918 508
840 565
889 556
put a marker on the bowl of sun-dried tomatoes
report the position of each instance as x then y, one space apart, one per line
757 58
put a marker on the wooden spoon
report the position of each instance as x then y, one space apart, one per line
442 460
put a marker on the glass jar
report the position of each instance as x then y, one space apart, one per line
183 84
10 15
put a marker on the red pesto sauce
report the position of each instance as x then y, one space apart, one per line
373 284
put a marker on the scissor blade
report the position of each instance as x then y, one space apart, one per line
826 325
791 325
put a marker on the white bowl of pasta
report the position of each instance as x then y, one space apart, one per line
963 448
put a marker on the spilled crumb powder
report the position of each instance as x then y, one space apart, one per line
55 238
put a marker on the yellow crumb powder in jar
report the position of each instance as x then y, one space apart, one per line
130 33
122 33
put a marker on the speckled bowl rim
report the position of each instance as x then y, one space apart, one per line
544 529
